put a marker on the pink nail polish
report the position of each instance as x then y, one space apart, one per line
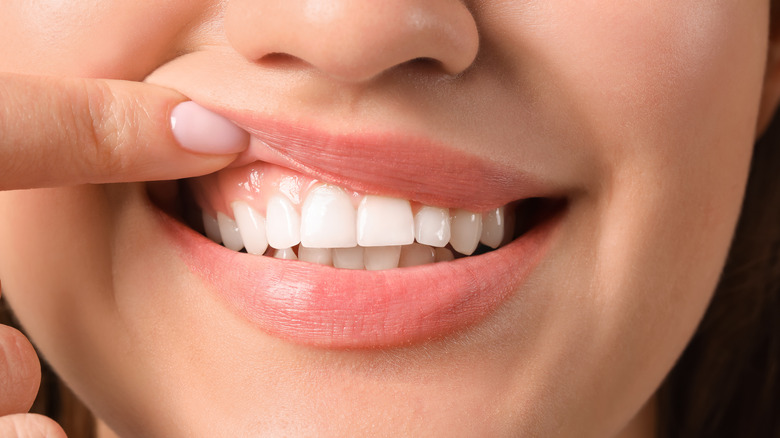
200 130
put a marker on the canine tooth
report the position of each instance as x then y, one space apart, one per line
377 258
328 219
444 255
320 256
285 254
228 229
416 254
348 258
211 226
282 223
493 227
466 231
432 226
251 226
383 221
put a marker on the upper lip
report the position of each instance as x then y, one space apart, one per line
386 163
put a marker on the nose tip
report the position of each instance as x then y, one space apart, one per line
355 40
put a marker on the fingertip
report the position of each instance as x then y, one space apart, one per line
30 426
20 372
199 130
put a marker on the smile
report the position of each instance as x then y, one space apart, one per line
272 211
321 258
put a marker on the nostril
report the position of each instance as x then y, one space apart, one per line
280 59
425 63
421 67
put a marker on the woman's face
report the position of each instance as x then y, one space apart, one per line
640 116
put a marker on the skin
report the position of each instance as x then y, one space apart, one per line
622 105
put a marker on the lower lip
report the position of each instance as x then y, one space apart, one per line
333 308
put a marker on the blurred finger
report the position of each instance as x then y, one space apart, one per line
29 426
20 372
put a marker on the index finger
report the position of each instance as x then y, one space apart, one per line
67 131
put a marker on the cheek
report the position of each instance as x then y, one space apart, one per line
107 39
677 92
656 80
54 261
672 105
666 94
57 252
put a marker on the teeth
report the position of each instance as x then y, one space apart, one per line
377 258
348 258
285 254
432 226
444 255
251 226
466 231
383 221
320 256
328 219
381 233
228 229
493 227
211 227
283 223
416 254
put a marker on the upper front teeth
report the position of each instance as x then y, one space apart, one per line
432 226
252 228
283 223
379 234
228 229
466 231
383 221
328 219
493 227
211 226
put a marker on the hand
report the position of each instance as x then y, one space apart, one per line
68 131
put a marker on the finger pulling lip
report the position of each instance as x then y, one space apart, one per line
334 308
389 164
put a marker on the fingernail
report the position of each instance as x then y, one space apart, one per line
200 130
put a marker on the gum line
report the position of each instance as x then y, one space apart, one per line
235 204
254 184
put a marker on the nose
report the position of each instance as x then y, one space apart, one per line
355 40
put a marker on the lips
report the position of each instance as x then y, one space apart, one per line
401 166
330 307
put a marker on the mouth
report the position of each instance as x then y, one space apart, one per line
375 258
